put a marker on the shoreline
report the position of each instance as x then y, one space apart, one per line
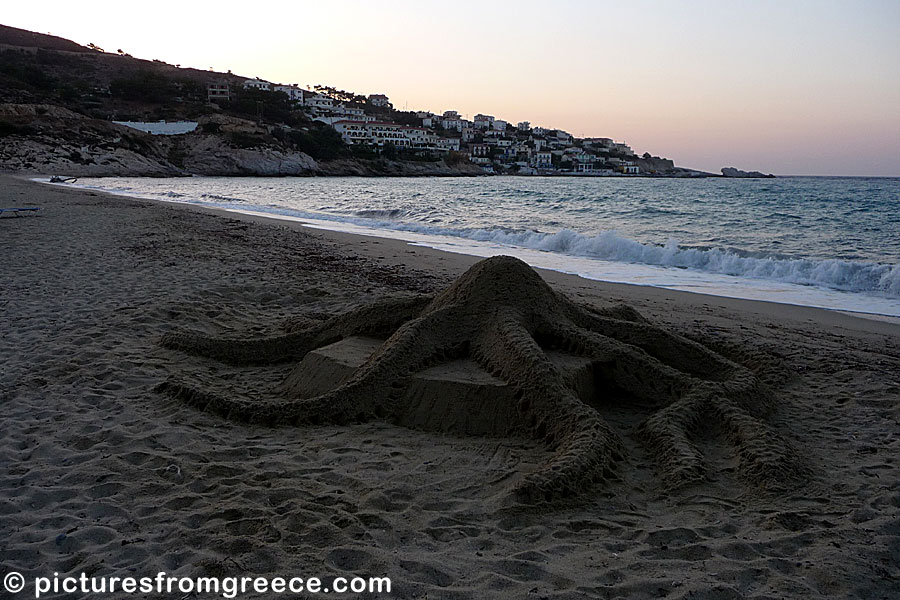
106 475
310 224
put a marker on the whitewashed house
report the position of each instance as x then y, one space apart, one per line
483 121
452 123
379 100
294 93
448 144
259 84
378 133
318 101
542 160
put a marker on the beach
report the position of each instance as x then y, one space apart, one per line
104 475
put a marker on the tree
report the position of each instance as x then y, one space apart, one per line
389 151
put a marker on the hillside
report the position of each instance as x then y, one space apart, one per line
58 98
12 36
253 131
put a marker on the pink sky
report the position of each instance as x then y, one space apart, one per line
789 87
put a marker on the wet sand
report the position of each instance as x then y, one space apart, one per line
106 476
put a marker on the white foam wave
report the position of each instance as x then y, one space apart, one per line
850 276
835 274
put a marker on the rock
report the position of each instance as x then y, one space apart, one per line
733 172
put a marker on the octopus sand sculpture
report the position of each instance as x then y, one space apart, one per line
504 317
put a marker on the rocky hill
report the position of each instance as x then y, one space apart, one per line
22 38
58 100
43 139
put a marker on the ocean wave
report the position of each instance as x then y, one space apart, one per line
838 273
835 274
390 213
208 196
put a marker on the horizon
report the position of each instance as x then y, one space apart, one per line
798 88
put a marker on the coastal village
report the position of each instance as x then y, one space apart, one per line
494 144
66 108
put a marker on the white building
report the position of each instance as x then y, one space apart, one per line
331 119
318 101
448 144
451 114
258 84
542 160
452 123
378 133
499 125
294 93
523 125
379 100
483 121
597 143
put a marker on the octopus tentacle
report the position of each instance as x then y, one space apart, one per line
622 366
667 432
765 458
379 319
680 352
586 448
501 314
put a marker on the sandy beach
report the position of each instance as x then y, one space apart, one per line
107 476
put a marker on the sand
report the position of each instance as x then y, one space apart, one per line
106 476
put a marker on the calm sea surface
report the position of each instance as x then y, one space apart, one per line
830 242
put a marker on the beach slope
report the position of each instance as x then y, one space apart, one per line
106 476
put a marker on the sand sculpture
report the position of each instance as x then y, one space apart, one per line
503 316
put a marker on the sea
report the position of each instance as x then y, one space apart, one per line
828 242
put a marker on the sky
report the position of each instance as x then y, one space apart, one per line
786 87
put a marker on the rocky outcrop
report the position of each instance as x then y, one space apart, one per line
654 165
212 155
50 140
46 139
732 172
